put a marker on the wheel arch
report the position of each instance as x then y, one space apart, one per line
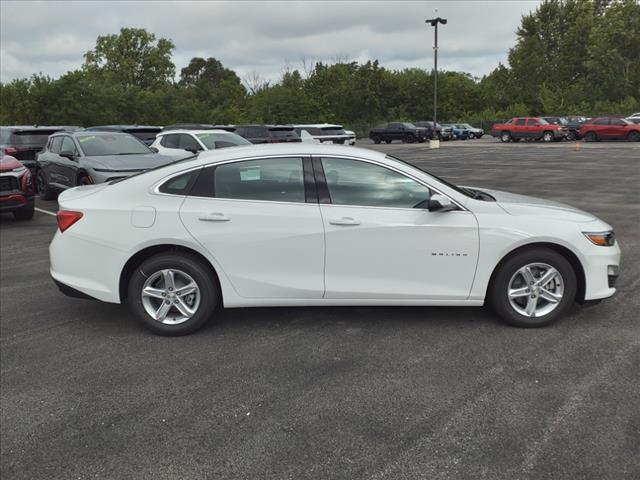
570 256
139 257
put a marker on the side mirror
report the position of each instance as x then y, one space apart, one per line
154 149
440 203
68 154
193 150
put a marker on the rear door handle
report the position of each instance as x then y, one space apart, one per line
344 221
214 217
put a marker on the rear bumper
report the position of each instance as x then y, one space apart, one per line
70 291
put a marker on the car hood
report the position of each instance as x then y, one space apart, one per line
124 163
515 204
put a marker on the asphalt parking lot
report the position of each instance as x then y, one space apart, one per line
349 393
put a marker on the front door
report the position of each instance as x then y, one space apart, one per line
382 242
253 218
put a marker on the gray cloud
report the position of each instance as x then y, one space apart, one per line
51 37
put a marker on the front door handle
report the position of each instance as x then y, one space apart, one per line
344 221
214 217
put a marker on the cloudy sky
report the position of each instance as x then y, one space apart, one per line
263 36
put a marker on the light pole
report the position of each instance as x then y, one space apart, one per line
434 23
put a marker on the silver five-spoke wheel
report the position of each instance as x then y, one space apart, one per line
170 296
535 289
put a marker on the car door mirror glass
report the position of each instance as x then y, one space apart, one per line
440 203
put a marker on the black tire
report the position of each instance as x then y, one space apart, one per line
189 264
547 136
590 137
387 141
498 290
44 190
24 213
409 139
376 139
516 139
633 137
505 136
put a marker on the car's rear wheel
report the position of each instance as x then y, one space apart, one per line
44 190
376 139
24 213
590 137
633 137
505 137
533 288
547 136
387 141
409 139
173 294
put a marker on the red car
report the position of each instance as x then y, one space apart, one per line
17 193
530 128
610 128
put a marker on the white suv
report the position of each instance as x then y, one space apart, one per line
183 143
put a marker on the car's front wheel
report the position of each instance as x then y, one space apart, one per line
505 137
633 137
533 288
173 293
547 136
44 190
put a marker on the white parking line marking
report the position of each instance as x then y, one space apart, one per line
45 211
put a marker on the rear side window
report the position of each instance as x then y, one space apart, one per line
170 141
32 138
179 185
271 179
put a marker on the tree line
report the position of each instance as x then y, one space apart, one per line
570 57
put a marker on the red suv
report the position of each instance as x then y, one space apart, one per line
529 128
610 128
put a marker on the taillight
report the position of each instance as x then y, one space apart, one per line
10 150
66 218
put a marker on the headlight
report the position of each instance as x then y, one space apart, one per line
602 239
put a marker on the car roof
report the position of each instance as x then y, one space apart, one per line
295 149
206 130
317 125
263 125
124 127
81 133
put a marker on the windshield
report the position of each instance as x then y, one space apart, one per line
111 144
221 140
282 132
36 138
461 190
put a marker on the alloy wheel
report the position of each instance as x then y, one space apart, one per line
170 296
535 290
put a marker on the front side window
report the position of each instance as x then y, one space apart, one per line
187 142
68 145
532 122
56 143
272 179
618 121
601 121
353 182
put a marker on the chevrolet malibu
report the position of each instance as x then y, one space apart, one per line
307 225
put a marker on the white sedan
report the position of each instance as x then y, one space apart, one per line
305 225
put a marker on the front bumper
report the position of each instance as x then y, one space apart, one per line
601 269
15 201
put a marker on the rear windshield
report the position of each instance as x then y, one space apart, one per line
332 131
36 138
283 132
149 134
221 140
115 144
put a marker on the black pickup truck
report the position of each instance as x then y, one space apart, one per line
405 132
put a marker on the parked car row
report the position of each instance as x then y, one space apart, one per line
549 129
423 130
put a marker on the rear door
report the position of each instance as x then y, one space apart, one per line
616 129
261 222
